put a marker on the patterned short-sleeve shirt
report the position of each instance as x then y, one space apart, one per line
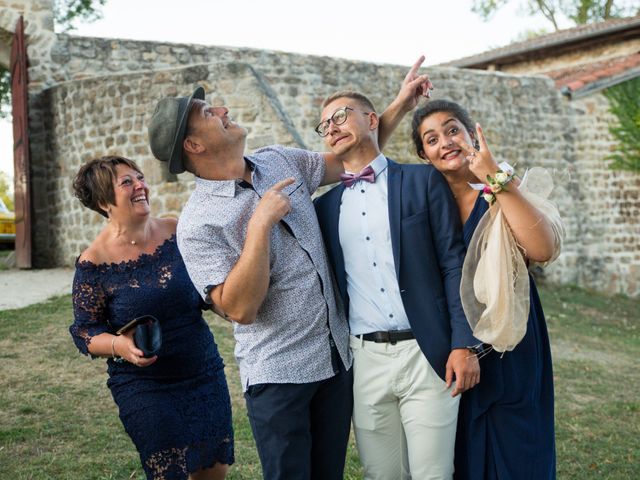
289 340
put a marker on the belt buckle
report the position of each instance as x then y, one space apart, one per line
385 337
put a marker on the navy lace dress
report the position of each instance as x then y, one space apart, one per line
177 411
505 424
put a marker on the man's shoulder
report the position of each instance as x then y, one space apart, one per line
267 150
282 151
276 149
414 168
419 173
193 209
322 200
193 203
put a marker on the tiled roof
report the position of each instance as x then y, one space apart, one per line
595 76
552 40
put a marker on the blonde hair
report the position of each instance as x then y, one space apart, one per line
353 95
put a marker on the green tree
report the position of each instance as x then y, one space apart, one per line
579 11
623 103
5 191
5 92
67 13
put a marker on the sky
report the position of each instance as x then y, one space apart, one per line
387 31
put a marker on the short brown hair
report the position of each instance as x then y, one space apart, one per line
93 184
353 95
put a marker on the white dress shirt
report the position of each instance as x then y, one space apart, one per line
365 237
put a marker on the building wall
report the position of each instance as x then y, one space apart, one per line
95 117
609 254
38 18
575 58
90 97
524 118
300 83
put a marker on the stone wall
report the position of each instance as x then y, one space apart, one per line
90 97
609 249
109 114
298 82
38 18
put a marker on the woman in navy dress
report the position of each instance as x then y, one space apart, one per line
175 405
506 422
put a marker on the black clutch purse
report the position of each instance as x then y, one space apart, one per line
148 334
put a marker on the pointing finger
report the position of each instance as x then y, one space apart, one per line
415 68
283 183
481 138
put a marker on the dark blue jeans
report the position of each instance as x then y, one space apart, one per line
302 430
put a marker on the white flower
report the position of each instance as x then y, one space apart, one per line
488 197
501 177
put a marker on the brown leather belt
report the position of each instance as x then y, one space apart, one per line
388 337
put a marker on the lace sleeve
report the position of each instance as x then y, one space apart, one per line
89 309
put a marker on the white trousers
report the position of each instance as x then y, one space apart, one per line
404 417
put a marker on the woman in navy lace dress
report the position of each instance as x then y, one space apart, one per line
175 406
506 422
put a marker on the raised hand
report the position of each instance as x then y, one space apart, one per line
481 162
414 87
274 204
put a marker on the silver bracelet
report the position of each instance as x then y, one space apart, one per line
113 350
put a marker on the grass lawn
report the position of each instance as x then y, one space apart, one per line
58 420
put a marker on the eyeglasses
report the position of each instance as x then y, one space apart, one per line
338 118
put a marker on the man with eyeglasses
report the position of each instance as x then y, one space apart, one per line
393 237
251 242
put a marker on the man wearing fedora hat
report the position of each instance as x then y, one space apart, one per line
251 242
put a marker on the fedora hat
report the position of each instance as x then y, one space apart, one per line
168 126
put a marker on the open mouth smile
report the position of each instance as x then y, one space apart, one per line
451 154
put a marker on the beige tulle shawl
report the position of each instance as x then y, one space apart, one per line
495 282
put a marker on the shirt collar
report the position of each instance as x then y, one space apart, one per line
220 188
223 188
378 164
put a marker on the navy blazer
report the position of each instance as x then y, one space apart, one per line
428 251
